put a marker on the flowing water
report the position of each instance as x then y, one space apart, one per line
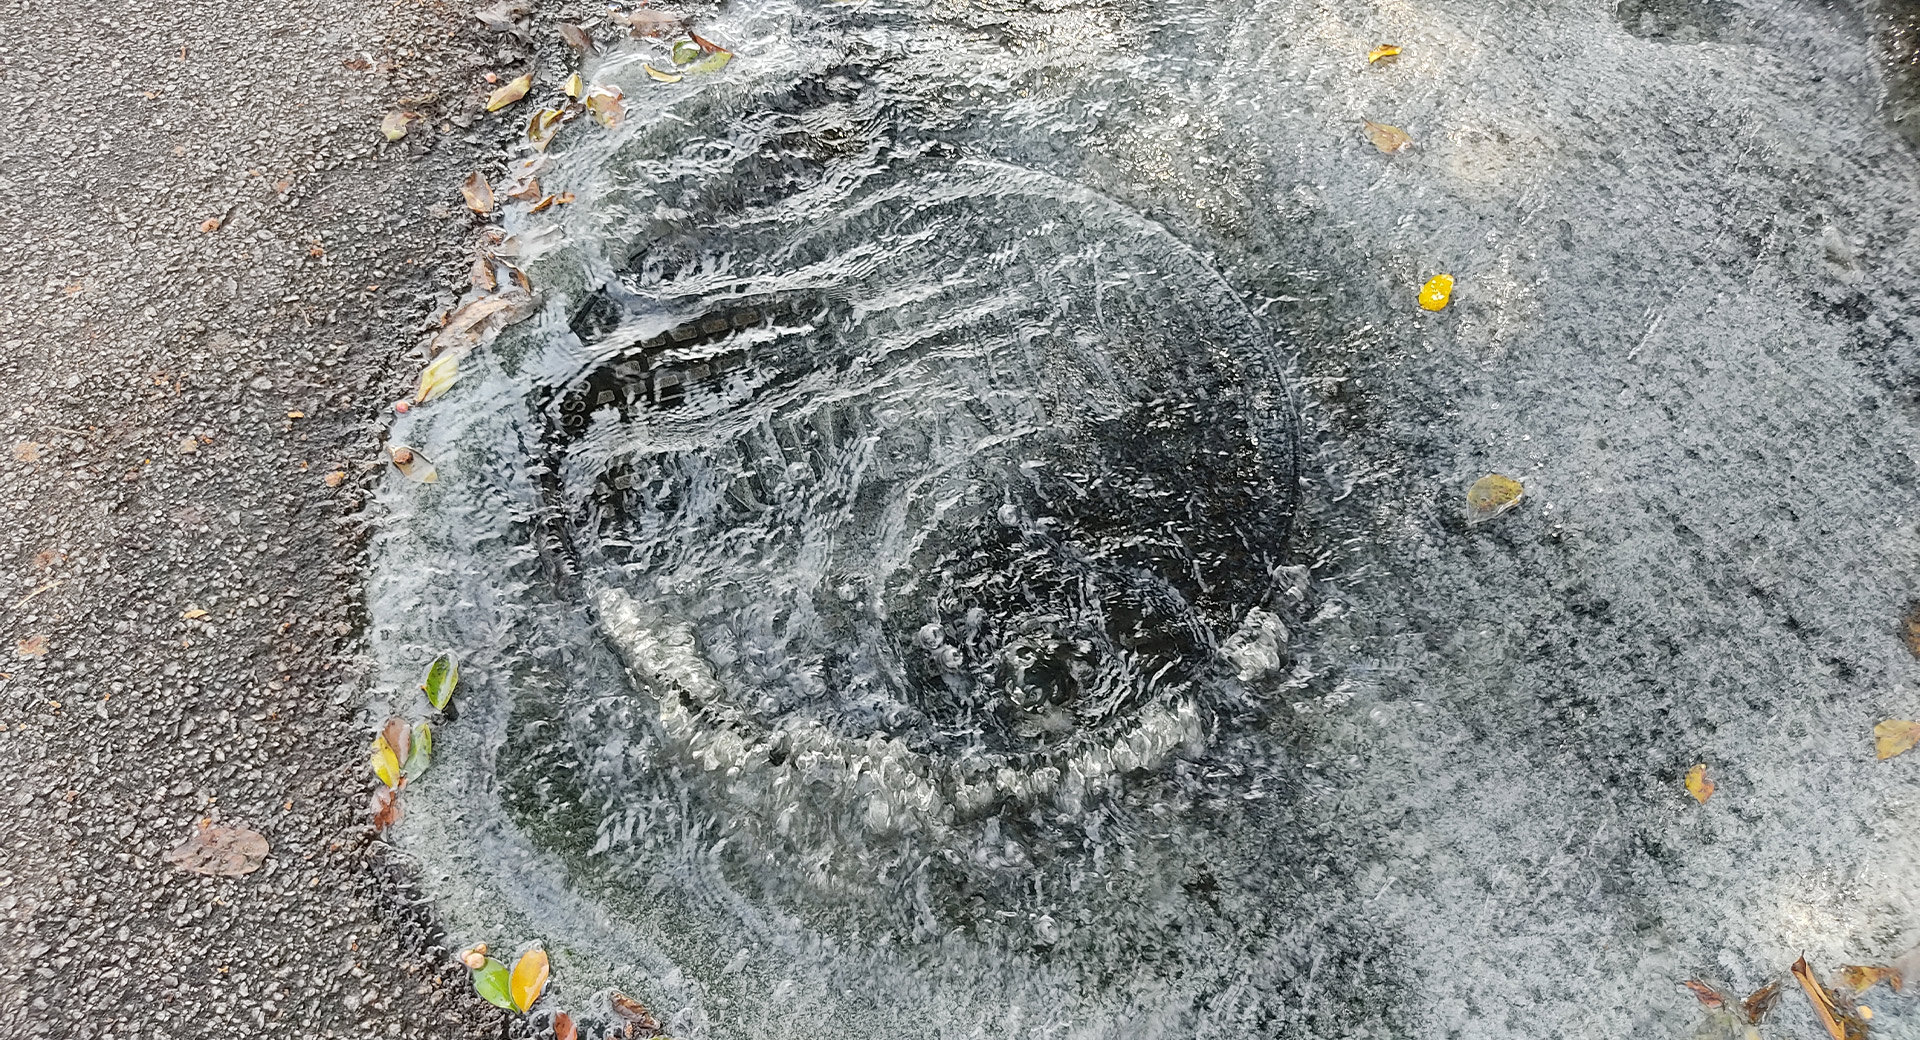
972 543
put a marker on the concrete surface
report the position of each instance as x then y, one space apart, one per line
171 400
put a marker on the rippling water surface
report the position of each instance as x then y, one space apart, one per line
972 543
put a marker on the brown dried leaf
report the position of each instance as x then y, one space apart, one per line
478 194
481 274
26 451
1388 139
1837 1017
633 1012
1860 977
504 16
1760 1002
607 106
575 37
384 807
220 851
1910 627
396 124
1706 994
519 278
1894 737
399 736
706 46
648 23
514 90
33 646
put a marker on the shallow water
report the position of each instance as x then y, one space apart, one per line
973 542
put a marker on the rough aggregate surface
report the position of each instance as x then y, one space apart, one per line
219 272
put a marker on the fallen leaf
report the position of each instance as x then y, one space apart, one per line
575 37
515 89
1910 627
1894 737
193 614
563 1028
1706 994
220 851
706 45
541 128
1435 294
419 752
713 62
647 23
529 978
685 51
607 106
336 478
542 204
442 676
574 86
632 1011
491 981
438 376
664 77
1698 785
26 451
384 807
504 16
1760 1002
1860 977
398 735
32 646
385 760
1492 495
1839 1019
412 465
519 278
1388 139
480 275
1385 50
478 195
396 123
210 225
188 446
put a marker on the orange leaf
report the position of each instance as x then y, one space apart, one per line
1841 1023
384 807
1706 994
1698 785
1893 737
563 1027
1385 50
529 978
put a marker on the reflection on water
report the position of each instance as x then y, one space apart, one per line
973 545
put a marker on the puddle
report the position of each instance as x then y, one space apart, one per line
974 542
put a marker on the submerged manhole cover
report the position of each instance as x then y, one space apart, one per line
923 518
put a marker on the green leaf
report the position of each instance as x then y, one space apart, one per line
685 51
442 676
419 751
711 63
491 982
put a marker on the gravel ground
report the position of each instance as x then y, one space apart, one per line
219 273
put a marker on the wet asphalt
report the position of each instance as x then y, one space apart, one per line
218 273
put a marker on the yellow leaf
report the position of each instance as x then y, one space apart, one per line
386 764
574 85
193 613
1435 294
607 106
436 377
1389 139
1842 1022
664 77
1385 50
1492 495
529 978
514 90
478 194
1893 737
1698 785
541 128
